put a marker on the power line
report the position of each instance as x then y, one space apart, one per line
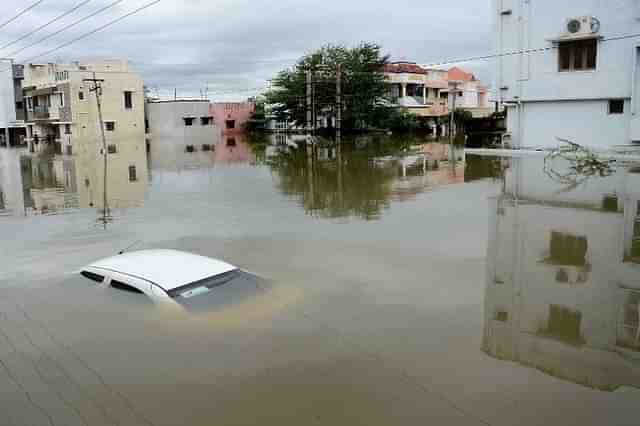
73 24
100 28
4 24
41 27
520 52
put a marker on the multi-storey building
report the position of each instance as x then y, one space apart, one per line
430 93
182 122
12 127
62 118
232 116
569 70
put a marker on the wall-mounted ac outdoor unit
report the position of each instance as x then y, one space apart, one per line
583 25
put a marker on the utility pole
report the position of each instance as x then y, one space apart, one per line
97 89
452 121
309 102
339 104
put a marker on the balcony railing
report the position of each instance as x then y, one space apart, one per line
41 112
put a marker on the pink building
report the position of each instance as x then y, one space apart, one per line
231 117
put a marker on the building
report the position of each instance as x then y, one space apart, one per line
562 290
472 95
62 118
232 116
577 84
418 90
430 93
183 122
12 126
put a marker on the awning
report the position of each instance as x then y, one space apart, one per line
41 92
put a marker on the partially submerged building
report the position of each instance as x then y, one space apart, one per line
12 113
568 70
182 122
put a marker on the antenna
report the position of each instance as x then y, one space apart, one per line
130 247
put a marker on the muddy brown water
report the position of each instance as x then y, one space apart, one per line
404 290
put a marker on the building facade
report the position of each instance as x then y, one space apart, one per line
62 119
183 122
579 80
430 93
12 114
231 117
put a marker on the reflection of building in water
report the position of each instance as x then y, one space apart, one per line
44 184
562 289
233 149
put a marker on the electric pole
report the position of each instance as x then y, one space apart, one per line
309 102
339 104
97 89
452 121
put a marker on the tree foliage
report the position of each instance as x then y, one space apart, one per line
363 85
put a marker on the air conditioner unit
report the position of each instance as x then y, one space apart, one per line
583 25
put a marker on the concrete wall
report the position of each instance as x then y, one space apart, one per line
166 123
536 76
7 94
240 112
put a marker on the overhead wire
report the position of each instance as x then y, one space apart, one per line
71 25
43 26
7 22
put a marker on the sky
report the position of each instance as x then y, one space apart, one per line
231 48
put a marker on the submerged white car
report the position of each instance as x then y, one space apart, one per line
175 277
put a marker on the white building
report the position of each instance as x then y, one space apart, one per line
182 122
583 86
12 126
562 289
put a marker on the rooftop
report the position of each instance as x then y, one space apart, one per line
169 269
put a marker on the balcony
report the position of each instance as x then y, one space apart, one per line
43 112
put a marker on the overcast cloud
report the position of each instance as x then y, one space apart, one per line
234 46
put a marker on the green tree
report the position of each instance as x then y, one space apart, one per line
362 85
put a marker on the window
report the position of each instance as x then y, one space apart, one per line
81 95
206 121
30 104
132 174
112 149
578 55
19 105
188 121
58 132
93 277
61 99
67 129
128 100
125 287
231 142
110 126
231 124
616 106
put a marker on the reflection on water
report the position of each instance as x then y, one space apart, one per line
358 178
48 184
563 288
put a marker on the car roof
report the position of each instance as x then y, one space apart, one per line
169 269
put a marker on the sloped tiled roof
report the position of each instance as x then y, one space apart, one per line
404 68
457 74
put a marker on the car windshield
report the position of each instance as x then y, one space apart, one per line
224 289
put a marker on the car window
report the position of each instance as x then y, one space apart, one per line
125 287
93 277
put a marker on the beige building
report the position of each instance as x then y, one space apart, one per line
62 118
429 92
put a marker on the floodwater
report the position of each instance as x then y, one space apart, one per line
408 285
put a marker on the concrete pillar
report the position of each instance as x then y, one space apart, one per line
424 94
403 90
